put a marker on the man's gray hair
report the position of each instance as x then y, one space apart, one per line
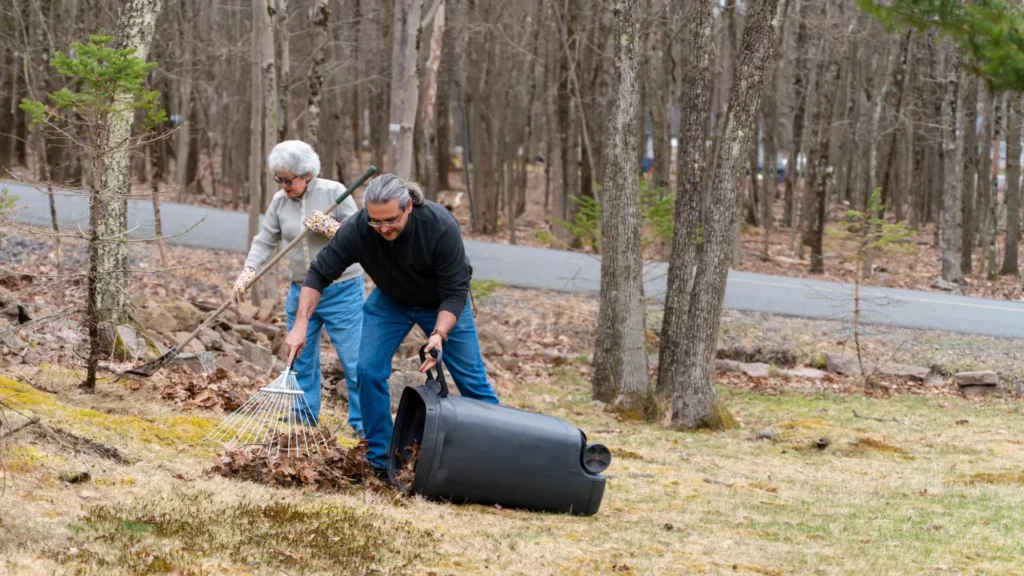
296 157
389 187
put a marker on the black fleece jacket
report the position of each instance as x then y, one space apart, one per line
425 266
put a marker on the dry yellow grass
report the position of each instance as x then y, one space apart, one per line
918 496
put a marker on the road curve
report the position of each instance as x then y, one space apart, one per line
529 267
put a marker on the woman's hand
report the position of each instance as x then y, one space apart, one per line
238 293
321 224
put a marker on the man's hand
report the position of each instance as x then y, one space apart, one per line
433 343
295 341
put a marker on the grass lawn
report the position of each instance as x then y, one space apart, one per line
934 488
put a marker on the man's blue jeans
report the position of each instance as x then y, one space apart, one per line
341 311
385 324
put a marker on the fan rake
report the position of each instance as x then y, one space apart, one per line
275 423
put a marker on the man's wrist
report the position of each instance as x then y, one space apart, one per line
443 335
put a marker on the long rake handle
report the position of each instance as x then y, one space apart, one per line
266 267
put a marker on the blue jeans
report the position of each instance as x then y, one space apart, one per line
341 311
385 324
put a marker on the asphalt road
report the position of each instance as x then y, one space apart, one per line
528 267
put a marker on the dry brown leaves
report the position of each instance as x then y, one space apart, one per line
216 391
331 468
408 472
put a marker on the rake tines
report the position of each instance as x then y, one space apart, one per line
276 422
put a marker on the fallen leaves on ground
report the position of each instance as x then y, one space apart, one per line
218 390
330 468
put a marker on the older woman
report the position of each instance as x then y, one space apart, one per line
300 202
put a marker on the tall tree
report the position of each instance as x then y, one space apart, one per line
952 212
695 105
1013 150
696 404
620 355
404 87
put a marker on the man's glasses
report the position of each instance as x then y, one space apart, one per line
389 223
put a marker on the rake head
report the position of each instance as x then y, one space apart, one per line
275 423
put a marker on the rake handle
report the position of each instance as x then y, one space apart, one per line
266 267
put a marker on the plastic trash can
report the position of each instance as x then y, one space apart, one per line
469 451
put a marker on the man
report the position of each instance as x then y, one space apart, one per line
412 250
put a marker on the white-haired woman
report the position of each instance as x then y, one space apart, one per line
300 202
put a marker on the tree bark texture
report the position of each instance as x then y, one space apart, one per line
696 405
952 226
620 355
694 104
432 178
107 302
320 14
969 87
404 87
1013 149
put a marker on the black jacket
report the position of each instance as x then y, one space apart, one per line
425 266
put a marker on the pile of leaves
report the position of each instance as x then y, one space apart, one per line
406 475
330 468
215 391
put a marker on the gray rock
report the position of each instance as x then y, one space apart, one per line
187 316
723 365
268 330
155 318
259 356
201 363
847 365
812 373
244 331
941 284
195 345
766 434
246 312
210 339
973 391
977 378
756 369
130 345
266 309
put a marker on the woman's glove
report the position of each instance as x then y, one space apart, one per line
321 224
239 291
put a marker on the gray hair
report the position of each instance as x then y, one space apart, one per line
390 187
294 156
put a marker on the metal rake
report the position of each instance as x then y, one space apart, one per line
275 421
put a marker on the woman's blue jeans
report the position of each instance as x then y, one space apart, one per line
385 324
340 311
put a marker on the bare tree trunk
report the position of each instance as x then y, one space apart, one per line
404 87
256 130
970 155
825 88
184 139
770 112
108 250
952 113
321 34
620 356
992 215
1013 146
157 222
984 174
694 104
888 180
800 89
271 124
429 99
696 405
280 17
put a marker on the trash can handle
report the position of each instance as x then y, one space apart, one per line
443 392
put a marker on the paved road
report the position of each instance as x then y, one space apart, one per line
528 267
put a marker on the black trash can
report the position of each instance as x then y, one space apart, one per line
469 451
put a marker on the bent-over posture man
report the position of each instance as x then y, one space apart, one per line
412 249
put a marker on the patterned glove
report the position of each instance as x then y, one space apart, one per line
321 224
239 291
